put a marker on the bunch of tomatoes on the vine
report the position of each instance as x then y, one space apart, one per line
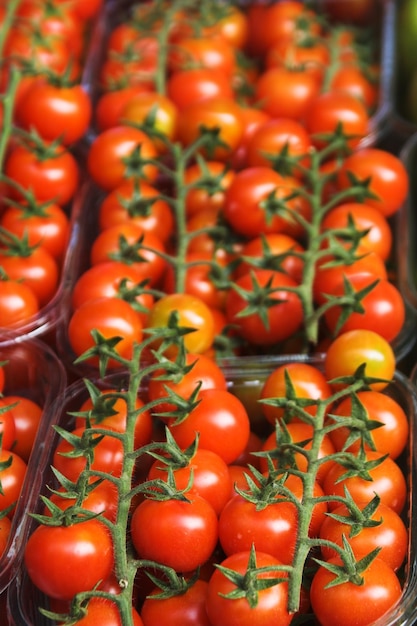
238 205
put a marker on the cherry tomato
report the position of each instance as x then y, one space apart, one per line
210 477
208 52
221 114
271 605
386 479
192 313
53 178
331 109
176 533
26 414
186 609
307 381
390 437
273 528
283 318
11 479
38 270
198 198
390 535
383 309
202 372
110 104
112 317
106 159
139 202
18 303
222 422
388 177
105 612
377 230
364 603
272 251
83 551
193 85
164 114
360 347
56 112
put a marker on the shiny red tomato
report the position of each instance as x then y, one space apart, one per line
110 103
108 155
105 612
271 605
390 535
379 590
383 309
287 92
50 176
377 231
176 533
386 479
26 414
56 112
222 422
111 317
208 52
193 85
199 196
282 319
390 437
333 109
84 551
307 381
18 303
137 201
12 474
388 177
186 609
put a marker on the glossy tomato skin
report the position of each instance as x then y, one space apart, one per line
367 602
187 609
389 438
284 318
11 478
105 612
127 202
18 303
334 108
271 608
192 313
391 535
109 105
203 373
383 310
26 415
307 380
272 528
39 271
209 474
56 112
51 179
196 85
64 560
221 421
251 187
378 237
387 480
286 92
112 317
178 534
220 113
357 347
109 150
388 177
108 456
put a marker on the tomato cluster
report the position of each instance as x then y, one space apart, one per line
217 497
46 111
234 203
258 218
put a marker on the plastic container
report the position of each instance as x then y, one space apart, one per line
246 382
383 33
34 371
407 228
